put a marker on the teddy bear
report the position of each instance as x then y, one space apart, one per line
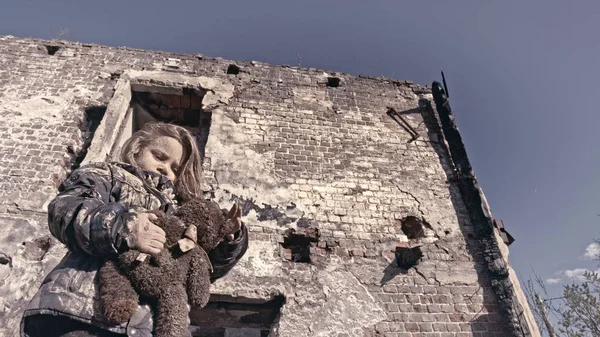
172 279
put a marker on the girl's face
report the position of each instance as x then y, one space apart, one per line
163 155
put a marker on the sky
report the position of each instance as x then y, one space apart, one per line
522 78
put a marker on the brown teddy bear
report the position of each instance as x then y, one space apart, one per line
179 275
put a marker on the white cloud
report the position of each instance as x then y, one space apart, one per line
570 275
575 274
592 251
553 281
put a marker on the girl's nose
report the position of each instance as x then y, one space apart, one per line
162 171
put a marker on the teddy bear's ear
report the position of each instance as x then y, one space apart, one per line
233 219
234 212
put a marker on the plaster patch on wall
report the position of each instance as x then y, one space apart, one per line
46 109
261 260
29 262
43 108
331 302
319 301
301 96
453 277
241 170
37 201
368 273
348 306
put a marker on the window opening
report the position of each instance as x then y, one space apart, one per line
233 69
51 50
333 82
236 316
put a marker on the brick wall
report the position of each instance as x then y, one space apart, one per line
298 153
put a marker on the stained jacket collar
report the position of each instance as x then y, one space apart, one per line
155 180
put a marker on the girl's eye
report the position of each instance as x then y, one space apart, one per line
159 155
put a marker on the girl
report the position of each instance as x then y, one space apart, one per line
102 209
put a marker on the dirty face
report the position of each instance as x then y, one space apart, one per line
163 155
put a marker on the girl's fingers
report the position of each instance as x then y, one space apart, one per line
157 244
150 250
157 230
152 216
145 236
150 227
157 237
151 247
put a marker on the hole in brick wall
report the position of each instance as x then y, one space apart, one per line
296 245
236 316
408 254
51 50
333 82
233 69
115 76
5 259
413 227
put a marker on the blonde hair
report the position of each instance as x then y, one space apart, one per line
188 184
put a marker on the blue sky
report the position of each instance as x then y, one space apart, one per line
522 77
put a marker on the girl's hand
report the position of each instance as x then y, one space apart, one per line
235 217
146 236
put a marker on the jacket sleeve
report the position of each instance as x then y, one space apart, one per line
228 253
82 216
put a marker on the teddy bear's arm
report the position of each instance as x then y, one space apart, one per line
198 282
118 299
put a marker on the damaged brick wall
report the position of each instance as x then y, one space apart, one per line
320 168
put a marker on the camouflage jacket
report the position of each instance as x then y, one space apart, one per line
90 216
